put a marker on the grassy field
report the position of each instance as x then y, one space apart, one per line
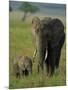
20 43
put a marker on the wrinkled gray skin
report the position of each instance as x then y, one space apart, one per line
22 66
49 37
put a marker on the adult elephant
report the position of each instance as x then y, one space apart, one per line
49 37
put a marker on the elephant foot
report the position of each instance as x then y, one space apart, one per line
52 71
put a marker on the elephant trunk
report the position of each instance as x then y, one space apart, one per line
41 50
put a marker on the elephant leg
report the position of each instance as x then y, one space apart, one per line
30 71
47 65
41 59
52 61
58 53
52 67
20 70
26 72
17 72
40 66
18 75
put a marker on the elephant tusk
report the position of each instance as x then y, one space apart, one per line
46 54
34 55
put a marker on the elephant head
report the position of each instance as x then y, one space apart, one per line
48 34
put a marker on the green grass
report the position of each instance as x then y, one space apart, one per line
20 43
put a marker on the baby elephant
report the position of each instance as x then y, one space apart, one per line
22 66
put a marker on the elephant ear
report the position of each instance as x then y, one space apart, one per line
36 24
57 31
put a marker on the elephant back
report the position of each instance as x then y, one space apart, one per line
57 30
56 25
